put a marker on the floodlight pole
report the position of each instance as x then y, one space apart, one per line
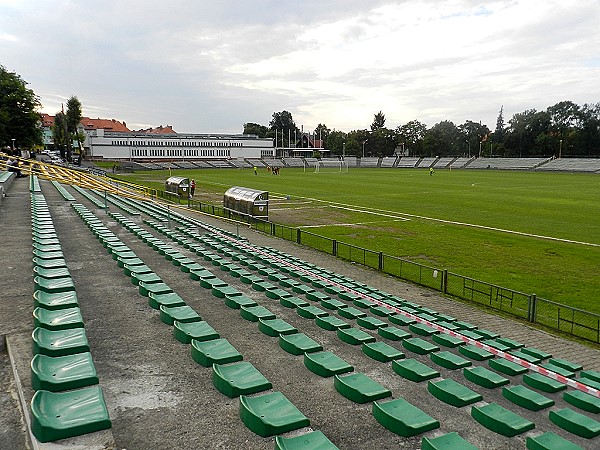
364 142
13 144
344 151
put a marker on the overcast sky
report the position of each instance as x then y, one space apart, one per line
211 66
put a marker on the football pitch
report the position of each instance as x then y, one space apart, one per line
534 232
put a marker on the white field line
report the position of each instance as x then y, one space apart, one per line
464 224
350 224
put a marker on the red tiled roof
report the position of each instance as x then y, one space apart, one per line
47 120
106 124
158 130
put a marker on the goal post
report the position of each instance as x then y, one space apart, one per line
331 166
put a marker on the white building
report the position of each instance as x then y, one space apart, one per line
137 146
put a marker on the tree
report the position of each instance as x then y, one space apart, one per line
72 119
587 139
498 137
255 128
411 135
283 122
335 142
378 121
474 134
444 139
19 119
60 134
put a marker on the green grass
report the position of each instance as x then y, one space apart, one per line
556 205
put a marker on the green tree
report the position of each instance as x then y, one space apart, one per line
322 132
444 138
498 137
382 142
335 142
378 121
255 128
60 133
587 139
474 134
19 117
410 137
283 123
72 118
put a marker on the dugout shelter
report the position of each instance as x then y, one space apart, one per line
247 202
178 185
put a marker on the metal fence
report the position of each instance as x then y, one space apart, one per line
563 318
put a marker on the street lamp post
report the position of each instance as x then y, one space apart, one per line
13 144
559 149
344 150
364 142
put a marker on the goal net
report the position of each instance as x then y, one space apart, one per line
331 166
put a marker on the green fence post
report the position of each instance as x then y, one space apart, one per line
445 281
298 240
335 250
169 216
532 306
380 268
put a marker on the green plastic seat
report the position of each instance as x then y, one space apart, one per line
184 314
62 373
453 393
271 414
60 415
475 353
537 353
510 343
354 336
156 288
55 301
543 383
414 370
484 377
582 400
60 342
310 312
449 441
238 301
147 277
422 329
393 333
526 398
51 285
240 378
575 423
359 388
507 367
380 351
351 313
403 418
550 441
215 351
255 313
277 294
169 299
58 319
224 291
371 323
275 327
419 346
567 365
293 302
50 263
53 272
447 341
326 364
184 332
129 269
449 360
298 344
331 323
500 420
315 440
